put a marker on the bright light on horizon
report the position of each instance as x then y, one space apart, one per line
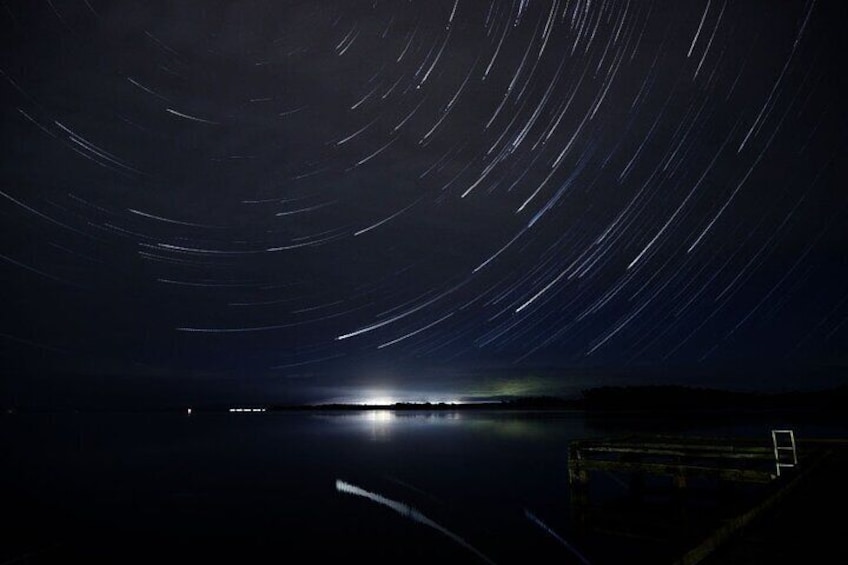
387 397
379 401
390 401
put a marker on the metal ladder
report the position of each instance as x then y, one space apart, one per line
785 454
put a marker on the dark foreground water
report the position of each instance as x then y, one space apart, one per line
363 487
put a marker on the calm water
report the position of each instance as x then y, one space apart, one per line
469 487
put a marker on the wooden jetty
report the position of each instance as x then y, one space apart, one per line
795 524
736 460
783 517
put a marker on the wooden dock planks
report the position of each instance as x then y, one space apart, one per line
737 460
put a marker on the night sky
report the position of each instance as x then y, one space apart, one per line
300 201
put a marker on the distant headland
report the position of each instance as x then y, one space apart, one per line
659 398
624 398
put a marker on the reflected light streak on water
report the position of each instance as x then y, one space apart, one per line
532 517
408 512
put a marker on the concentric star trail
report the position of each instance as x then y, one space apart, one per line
333 185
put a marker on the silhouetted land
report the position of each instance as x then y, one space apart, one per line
660 399
637 398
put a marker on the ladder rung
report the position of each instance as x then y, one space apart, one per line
784 440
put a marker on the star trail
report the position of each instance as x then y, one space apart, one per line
300 192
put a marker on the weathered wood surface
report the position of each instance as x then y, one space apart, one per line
735 460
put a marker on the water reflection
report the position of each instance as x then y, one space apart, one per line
408 512
532 517
381 423
518 424
267 482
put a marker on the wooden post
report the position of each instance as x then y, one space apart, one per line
578 480
577 475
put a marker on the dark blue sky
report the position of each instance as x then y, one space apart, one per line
204 200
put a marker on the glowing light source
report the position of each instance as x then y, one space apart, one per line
379 401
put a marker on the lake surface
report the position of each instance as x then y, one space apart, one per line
369 486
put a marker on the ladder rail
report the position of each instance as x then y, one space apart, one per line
778 448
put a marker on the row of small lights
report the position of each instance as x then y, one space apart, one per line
188 410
